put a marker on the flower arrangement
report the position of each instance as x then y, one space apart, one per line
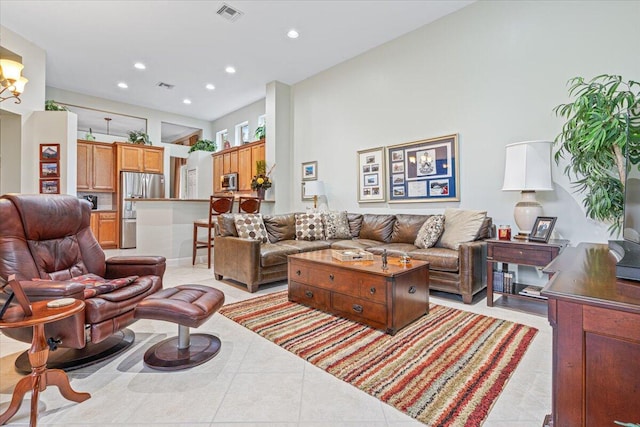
261 180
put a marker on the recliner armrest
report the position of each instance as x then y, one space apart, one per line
123 266
51 289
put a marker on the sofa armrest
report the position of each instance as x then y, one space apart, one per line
472 257
123 266
237 259
51 289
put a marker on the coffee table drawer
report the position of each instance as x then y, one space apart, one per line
309 295
373 289
359 307
298 271
335 280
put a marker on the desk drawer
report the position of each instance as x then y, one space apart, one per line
538 256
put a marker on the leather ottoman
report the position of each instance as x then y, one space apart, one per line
189 306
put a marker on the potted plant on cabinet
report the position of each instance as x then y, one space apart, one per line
139 137
203 145
261 132
51 105
603 122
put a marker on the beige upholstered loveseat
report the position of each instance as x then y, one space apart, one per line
460 271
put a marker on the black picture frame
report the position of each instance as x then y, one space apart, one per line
542 229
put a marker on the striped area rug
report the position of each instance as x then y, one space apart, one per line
445 369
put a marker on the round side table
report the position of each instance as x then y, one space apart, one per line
40 376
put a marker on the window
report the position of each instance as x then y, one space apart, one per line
221 137
242 133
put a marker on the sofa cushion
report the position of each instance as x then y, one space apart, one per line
355 224
250 226
460 226
309 226
336 225
354 244
393 249
377 227
406 228
280 227
275 254
307 245
441 259
227 225
430 232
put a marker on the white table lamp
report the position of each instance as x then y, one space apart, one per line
527 169
315 189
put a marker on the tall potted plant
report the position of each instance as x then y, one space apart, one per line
603 122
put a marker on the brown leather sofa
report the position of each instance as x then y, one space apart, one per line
46 240
461 271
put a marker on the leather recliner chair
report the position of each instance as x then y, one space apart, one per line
46 241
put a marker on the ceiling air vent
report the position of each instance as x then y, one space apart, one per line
229 13
165 85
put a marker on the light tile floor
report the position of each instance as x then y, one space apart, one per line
253 382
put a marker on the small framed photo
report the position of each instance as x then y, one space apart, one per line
49 152
49 170
542 229
50 186
303 193
310 171
371 176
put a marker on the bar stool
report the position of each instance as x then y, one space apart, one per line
249 205
217 206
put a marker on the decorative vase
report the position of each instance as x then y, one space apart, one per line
260 193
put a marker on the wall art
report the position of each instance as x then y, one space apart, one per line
371 175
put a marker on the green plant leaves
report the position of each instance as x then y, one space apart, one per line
602 123
203 145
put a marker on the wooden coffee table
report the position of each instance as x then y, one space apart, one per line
361 290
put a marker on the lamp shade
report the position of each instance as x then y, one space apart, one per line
11 69
314 188
528 166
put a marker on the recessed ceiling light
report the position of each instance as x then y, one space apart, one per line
140 66
292 34
123 85
210 86
187 101
230 70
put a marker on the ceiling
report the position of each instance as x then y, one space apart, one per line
91 46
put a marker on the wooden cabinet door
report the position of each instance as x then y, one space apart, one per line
93 224
257 153
218 171
107 229
103 176
245 169
233 162
226 163
153 160
130 157
84 166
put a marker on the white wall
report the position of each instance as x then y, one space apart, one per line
491 72
249 113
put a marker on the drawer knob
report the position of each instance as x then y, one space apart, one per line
308 294
372 290
412 289
331 277
357 308
298 272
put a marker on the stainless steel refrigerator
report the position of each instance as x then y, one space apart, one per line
136 185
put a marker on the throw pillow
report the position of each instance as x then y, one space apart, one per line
250 226
430 232
309 227
336 225
460 226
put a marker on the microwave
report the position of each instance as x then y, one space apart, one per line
230 182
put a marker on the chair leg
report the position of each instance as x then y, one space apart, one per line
209 248
195 244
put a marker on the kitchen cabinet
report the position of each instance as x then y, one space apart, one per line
104 228
140 158
241 160
96 167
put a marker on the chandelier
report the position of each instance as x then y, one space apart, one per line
10 80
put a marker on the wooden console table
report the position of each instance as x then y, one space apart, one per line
40 376
596 340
